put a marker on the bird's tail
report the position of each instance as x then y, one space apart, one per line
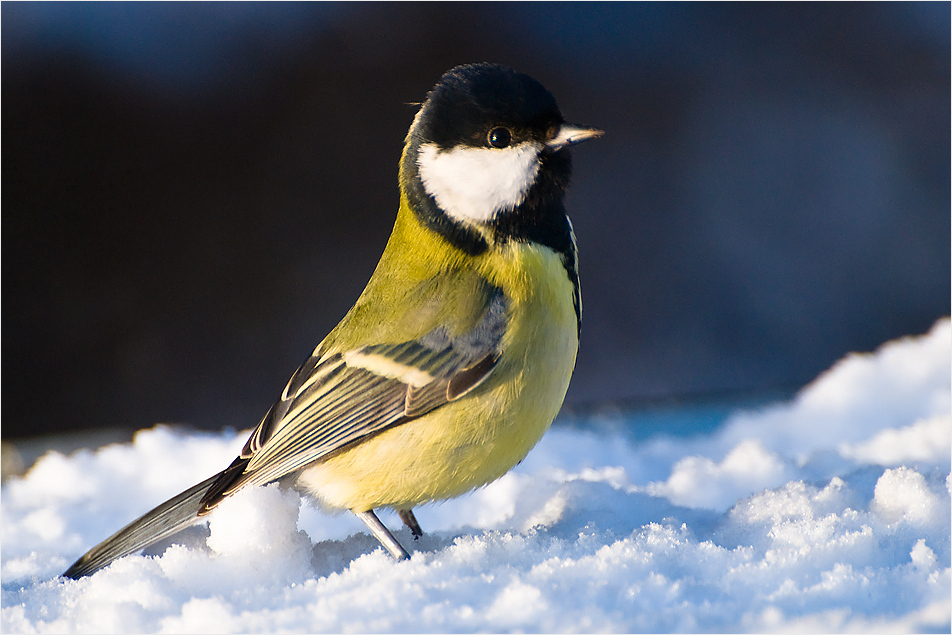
171 516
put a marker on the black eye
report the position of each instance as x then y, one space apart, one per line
500 137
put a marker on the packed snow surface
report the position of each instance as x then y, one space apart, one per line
828 512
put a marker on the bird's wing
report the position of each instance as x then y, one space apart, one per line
343 394
336 399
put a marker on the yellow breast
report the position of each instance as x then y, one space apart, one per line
475 440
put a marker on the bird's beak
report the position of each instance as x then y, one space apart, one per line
570 134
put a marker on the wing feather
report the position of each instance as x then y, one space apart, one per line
336 400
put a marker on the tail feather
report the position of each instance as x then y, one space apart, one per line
171 516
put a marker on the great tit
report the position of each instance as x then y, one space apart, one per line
456 357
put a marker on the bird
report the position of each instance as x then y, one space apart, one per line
456 357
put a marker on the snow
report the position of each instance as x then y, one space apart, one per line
829 512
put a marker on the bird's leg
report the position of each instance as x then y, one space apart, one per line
383 534
406 515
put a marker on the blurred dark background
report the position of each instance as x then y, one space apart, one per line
194 194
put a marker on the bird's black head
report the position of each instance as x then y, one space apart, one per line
486 160
472 102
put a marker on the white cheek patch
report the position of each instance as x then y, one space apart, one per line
474 184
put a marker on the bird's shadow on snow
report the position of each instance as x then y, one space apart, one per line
335 556
596 507
563 513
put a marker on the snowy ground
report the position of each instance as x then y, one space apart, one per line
826 513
